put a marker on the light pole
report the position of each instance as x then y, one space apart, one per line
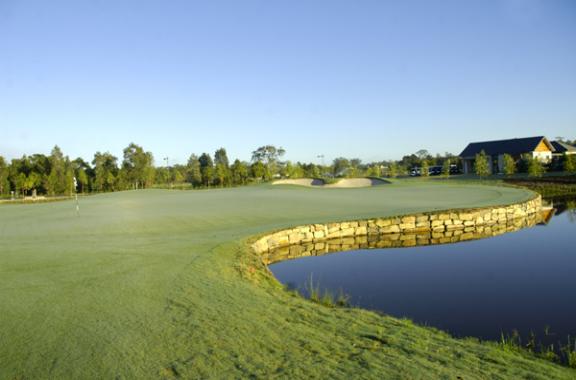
321 156
169 174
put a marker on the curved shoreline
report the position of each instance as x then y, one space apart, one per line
459 222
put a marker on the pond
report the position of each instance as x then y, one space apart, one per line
521 281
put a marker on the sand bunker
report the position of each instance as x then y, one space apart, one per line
357 182
300 182
342 183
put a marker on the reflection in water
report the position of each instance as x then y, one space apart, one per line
322 247
481 287
567 206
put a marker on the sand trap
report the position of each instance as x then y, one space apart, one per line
357 182
342 183
300 182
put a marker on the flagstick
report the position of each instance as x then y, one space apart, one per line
76 195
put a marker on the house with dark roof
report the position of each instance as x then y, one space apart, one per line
561 148
534 147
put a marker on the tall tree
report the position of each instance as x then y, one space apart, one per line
69 170
163 175
137 166
423 154
221 175
239 172
481 167
32 182
340 166
260 171
297 171
292 171
4 183
58 177
410 161
40 164
535 167
178 174
222 170
220 157
20 183
509 165
373 170
393 170
193 172
105 171
425 169
16 167
569 163
81 173
30 173
446 167
269 155
310 170
355 168
206 169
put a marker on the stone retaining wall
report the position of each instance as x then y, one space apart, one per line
442 223
323 247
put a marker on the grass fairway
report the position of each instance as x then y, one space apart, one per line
160 284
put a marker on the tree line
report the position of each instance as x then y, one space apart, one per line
57 174
526 164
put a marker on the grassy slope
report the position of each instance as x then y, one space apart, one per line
155 283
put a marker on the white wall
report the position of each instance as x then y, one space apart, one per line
542 156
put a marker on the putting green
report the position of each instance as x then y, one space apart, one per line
160 284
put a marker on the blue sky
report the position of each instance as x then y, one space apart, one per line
368 79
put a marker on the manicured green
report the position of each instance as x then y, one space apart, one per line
161 284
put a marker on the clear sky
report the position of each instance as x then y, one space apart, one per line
368 79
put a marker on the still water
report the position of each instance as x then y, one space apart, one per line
523 280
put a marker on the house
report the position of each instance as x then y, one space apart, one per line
561 148
534 147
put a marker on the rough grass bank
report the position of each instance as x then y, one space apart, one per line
161 284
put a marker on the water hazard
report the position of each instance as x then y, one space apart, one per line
517 276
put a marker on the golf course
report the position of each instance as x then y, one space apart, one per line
161 284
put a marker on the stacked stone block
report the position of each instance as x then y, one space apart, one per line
409 230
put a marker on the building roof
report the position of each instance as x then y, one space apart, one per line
511 146
560 147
